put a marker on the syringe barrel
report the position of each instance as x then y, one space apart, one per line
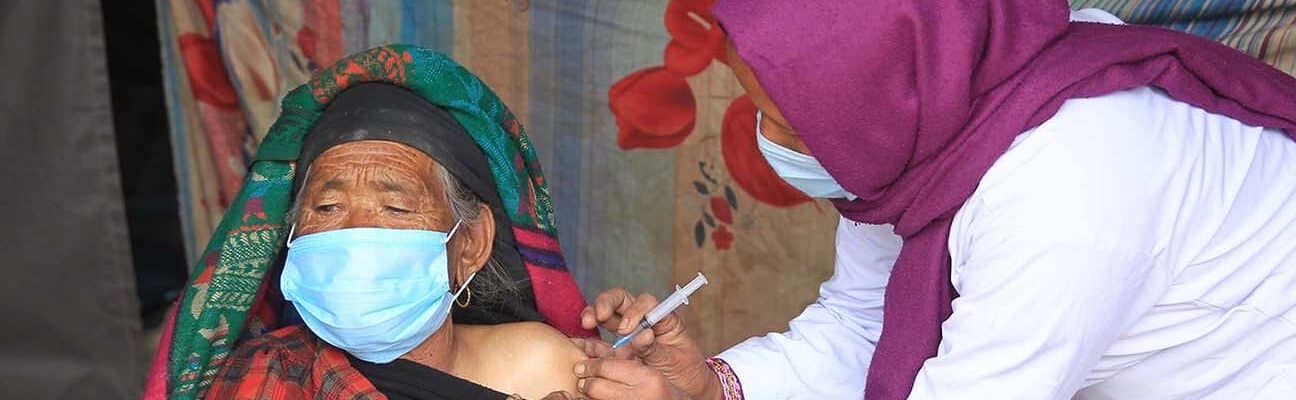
672 302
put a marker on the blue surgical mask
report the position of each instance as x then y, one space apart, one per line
799 170
375 293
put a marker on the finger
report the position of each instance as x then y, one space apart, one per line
604 389
609 307
642 342
625 371
588 321
634 312
559 396
671 326
584 346
593 348
621 353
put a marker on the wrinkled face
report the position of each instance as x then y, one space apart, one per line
373 184
773 125
380 184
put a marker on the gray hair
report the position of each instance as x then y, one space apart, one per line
492 286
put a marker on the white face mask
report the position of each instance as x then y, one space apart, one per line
799 170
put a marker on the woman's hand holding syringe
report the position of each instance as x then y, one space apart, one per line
665 351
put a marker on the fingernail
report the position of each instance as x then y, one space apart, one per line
580 384
580 369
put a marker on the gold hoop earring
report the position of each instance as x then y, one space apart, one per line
467 299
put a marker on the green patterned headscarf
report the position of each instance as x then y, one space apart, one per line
229 299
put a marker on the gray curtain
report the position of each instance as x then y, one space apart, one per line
68 320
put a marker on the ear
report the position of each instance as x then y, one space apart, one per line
475 240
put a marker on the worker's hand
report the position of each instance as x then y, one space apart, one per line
666 347
558 396
607 379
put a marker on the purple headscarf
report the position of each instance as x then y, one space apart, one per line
908 103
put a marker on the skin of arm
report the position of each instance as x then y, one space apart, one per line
529 359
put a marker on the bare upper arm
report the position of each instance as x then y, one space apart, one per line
534 358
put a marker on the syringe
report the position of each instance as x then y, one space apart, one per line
664 308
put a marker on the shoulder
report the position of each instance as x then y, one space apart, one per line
1096 161
543 352
1099 177
1109 134
534 341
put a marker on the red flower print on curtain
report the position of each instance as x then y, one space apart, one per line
223 123
655 108
696 39
747 166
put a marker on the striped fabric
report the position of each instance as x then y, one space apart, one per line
1265 29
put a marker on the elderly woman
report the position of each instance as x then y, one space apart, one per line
419 255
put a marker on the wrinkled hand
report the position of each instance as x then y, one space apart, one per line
559 396
608 379
666 347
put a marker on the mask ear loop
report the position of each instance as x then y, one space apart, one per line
470 277
759 134
462 288
292 229
452 231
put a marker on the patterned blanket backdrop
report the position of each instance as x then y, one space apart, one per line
647 142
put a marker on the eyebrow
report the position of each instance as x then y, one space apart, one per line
333 184
383 184
388 185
